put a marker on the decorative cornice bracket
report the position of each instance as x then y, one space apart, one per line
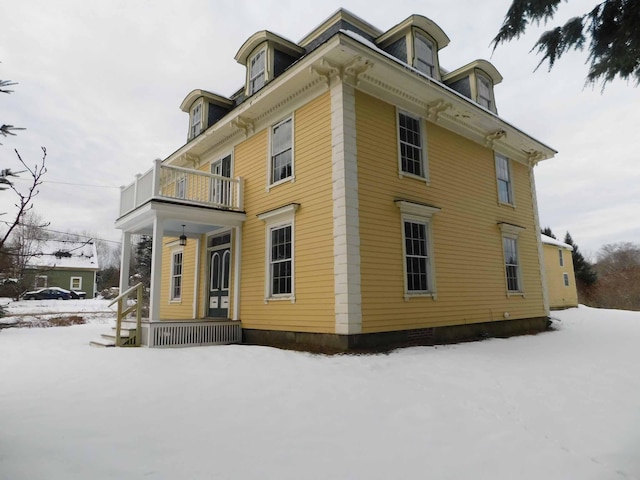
434 109
490 138
245 124
353 68
534 156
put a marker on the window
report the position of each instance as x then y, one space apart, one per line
503 172
424 58
512 268
416 256
280 260
561 258
565 277
176 275
484 97
181 187
76 283
411 145
196 120
257 72
280 253
419 278
281 166
41 281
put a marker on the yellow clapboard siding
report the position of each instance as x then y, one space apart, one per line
468 257
560 295
179 309
313 310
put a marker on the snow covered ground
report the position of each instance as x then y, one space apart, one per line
559 405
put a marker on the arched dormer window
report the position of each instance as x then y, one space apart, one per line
204 109
416 42
266 55
475 81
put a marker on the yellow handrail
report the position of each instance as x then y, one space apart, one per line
123 313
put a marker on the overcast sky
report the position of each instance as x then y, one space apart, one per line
101 81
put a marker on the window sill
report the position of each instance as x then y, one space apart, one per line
290 179
284 298
409 295
516 294
402 175
505 204
176 301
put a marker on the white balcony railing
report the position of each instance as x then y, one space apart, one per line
182 185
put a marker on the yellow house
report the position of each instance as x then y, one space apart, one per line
559 275
351 194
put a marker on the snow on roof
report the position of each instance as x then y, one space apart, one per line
552 241
65 254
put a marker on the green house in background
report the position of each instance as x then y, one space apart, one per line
66 264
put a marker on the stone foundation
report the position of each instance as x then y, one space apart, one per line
384 341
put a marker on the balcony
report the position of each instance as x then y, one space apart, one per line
182 186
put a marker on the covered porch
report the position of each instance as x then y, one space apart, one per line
198 215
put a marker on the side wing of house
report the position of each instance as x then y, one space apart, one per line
559 274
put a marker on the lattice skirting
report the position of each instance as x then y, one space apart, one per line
189 334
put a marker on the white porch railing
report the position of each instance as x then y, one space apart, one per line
184 334
183 185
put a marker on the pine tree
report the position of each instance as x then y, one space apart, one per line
610 28
585 273
547 231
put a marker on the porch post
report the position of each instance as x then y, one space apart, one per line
237 254
156 269
125 261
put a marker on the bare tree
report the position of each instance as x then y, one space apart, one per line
24 202
26 241
618 270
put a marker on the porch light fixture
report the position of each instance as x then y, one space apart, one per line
183 238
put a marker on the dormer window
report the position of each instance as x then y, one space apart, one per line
257 71
266 55
484 90
424 57
196 120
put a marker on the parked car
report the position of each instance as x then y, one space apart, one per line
51 293
77 294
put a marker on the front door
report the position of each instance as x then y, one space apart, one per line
219 266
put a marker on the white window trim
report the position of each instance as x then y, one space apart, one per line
199 103
418 213
265 73
561 257
280 217
181 180
46 281
292 177
510 172
566 281
512 231
71 283
174 252
231 167
423 140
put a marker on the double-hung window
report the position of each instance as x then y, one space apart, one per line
565 277
484 97
196 120
281 260
417 261
76 283
411 140
280 253
512 267
257 71
424 54
561 257
176 275
419 277
281 158
181 187
505 184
